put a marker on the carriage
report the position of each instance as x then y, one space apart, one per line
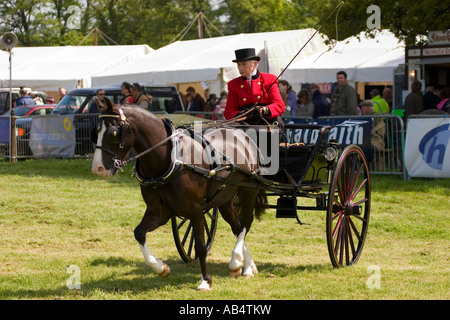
336 177
192 194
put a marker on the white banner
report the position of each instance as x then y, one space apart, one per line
427 150
53 136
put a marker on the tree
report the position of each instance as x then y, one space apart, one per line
407 20
249 16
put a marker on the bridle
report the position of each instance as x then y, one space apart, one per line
115 135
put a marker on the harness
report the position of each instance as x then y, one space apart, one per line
226 164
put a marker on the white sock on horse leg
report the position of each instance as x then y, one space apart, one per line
155 264
249 266
237 255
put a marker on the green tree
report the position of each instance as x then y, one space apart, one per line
408 20
249 16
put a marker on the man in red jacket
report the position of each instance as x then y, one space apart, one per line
252 89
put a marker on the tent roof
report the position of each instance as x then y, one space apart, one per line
203 59
367 59
48 68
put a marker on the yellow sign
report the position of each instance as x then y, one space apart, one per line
67 124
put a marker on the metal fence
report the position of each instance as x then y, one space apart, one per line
390 159
386 161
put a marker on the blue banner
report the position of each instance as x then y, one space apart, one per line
4 130
344 131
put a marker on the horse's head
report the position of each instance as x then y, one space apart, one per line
114 140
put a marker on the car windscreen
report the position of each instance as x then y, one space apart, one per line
71 103
164 99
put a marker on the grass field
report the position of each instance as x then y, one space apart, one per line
55 214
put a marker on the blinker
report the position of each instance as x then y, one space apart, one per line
113 134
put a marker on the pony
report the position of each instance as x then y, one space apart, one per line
183 174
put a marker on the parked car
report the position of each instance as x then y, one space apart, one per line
81 102
40 110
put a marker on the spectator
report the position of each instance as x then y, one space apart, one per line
191 104
220 108
197 98
430 99
62 92
387 95
25 99
343 98
140 99
126 91
211 103
99 100
286 88
380 105
378 125
414 100
321 105
37 98
305 107
444 104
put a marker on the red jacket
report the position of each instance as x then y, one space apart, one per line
240 94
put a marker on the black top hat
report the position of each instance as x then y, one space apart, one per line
246 54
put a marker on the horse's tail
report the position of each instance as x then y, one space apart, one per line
260 203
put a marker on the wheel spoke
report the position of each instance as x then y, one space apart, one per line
357 234
355 193
186 234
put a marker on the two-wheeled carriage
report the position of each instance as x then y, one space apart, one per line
336 177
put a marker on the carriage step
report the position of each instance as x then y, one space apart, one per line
286 207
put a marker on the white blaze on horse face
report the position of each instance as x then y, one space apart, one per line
97 163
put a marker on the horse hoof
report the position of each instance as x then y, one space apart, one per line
204 286
165 272
248 275
235 273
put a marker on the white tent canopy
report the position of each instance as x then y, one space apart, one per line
367 60
206 59
48 68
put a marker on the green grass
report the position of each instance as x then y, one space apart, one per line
55 213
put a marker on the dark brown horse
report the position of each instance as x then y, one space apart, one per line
178 178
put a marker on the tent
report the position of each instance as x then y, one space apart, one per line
210 59
364 59
48 68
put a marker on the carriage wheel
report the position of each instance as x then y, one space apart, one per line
348 208
184 235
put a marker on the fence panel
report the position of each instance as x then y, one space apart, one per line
386 161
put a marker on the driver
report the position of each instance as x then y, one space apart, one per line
253 88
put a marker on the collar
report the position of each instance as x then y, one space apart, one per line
254 75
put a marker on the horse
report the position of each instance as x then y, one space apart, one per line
172 185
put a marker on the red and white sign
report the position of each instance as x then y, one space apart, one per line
436 51
439 37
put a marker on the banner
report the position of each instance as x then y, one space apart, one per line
344 131
4 130
53 136
426 147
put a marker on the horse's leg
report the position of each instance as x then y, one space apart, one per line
241 258
198 225
237 257
150 223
